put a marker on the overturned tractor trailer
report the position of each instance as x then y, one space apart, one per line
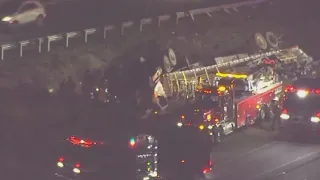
246 83
182 85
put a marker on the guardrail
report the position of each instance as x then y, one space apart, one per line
43 44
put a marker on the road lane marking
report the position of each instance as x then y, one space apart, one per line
284 165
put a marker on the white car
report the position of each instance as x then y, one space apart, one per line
25 13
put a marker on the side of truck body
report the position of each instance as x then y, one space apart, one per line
248 108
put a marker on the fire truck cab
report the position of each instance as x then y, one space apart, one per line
243 99
200 113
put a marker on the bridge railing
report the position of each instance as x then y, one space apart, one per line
44 44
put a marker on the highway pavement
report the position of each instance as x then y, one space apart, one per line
248 154
306 171
257 154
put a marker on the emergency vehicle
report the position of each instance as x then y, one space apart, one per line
172 154
160 151
240 102
194 115
246 87
301 107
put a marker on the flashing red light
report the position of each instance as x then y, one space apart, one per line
289 89
206 170
85 143
285 111
61 159
78 165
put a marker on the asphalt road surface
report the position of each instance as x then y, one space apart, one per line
249 154
256 154
73 15
307 171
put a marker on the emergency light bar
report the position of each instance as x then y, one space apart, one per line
226 75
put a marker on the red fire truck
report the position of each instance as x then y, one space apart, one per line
242 99
245 89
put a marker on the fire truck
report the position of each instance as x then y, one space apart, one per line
240 101
240 89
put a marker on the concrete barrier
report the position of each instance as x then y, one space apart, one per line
44 44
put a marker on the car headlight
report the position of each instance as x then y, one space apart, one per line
285 116
60 164
315 119
179 124
76 170
210 127
302 93
6 19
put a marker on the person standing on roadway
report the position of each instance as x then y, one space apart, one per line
275 113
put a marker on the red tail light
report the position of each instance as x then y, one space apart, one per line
206 170
289 89
317 91
61 159
285 111
78 165
318 114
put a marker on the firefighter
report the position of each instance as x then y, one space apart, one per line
87 83
70 85
275 113
62 88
